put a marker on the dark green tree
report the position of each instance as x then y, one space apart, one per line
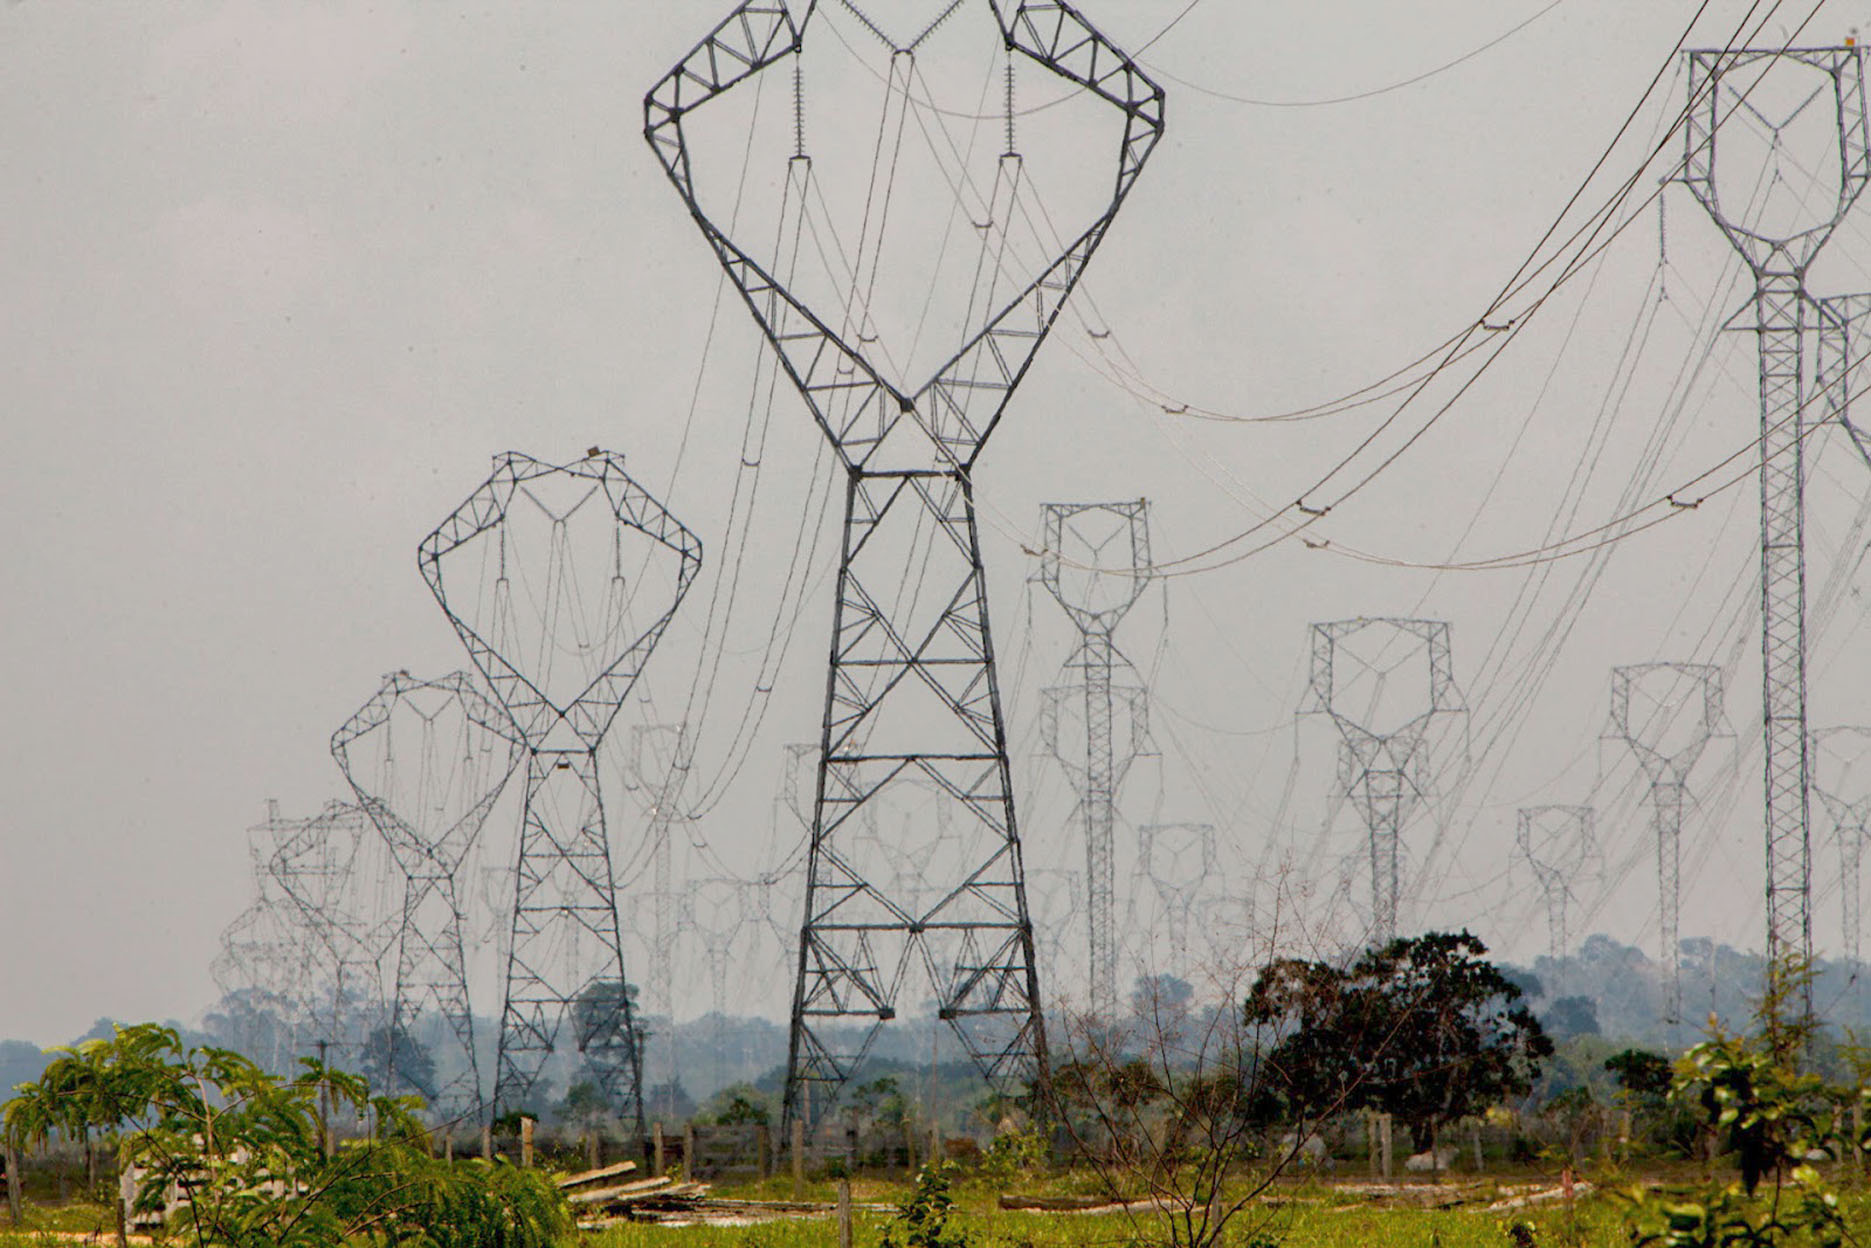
1424 1028
1646 1076
397 1062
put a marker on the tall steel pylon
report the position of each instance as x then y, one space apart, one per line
1095 560
263 956
1384 712
1557 842
601 568
1679 712
1181 861
1841 777
316 865
657 764
912 692
428 759
1779 236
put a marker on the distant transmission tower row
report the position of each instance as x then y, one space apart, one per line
1095 560
1385 684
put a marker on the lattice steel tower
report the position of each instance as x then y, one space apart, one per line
600 568
907 362
1813 92
1679 712
1095 560
1181 861
1557 842
316 865
1384 727
1841 777
428 759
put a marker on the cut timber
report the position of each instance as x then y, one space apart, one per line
622 1191
589 1177
1058 1204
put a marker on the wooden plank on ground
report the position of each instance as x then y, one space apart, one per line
589 1177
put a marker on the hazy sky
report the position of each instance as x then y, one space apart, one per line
280 278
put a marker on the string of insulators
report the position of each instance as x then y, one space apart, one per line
1010 143
799 108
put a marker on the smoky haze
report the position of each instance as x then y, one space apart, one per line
280 281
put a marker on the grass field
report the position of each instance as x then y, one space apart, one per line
1344 1213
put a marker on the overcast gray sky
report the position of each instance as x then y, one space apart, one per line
278 279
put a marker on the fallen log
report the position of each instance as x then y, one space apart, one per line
1057 1204
622 1191
588 1177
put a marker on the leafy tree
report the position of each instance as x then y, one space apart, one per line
739 1104
1424 1028
247 1147
922 1220
1644 1075
1567 1017
881 1101
1772 1116
396 1061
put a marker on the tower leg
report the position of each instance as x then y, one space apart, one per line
1780 306
565 970
913 705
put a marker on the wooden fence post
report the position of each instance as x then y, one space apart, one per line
1383 1144
689 1170
799 1159
763 1150
526 1143
656 1150
15 1178
844 1213
487 1143
1474 1129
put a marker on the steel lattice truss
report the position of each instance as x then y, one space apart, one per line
1826 86
1181 861
1095 561
428 759
1679 713
314 863
1841 778
1557 842
912 693
264 953
1384 750
561 658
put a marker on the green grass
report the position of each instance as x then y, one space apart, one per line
1299 1214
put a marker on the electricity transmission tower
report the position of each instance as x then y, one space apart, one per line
1053 898
1401 679
1841 777
1557 842
912 693
315 864
560 579
1179 860
656 766
263 951
1095 560
428 759
1678 712
1806 91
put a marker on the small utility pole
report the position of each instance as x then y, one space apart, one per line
324 1104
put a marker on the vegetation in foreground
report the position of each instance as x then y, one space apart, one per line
1201 1125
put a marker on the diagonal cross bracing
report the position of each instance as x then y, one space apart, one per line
561 658
912 700
1725 90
